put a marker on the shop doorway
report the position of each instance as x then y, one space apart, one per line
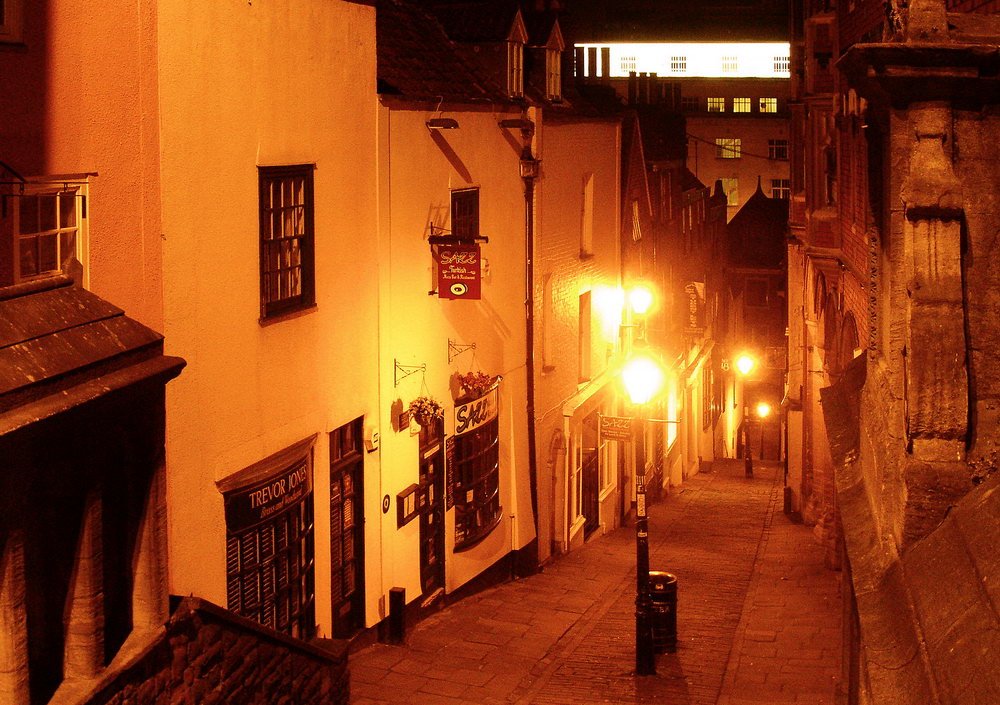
432 514
347 525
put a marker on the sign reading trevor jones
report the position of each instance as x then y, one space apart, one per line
249 506
459 271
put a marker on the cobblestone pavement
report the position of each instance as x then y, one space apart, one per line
758 617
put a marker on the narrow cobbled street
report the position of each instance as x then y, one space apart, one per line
759 617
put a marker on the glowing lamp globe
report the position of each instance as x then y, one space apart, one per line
643 379
745 364
763 409
640 298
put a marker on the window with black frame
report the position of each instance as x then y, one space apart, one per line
477 470
286 239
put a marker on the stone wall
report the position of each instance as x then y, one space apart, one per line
208 656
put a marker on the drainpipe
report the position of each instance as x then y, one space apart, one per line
529 172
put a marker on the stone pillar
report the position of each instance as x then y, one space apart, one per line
13 621
149 592
937 398
83 646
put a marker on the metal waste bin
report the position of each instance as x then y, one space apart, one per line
663 595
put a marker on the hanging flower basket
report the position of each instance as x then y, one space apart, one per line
476 384
426 410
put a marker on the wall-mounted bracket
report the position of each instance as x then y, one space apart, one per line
455 349
401 372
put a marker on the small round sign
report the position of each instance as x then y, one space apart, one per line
458 288
385 504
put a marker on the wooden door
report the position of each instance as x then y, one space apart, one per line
347 526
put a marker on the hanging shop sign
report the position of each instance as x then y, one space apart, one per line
616 428
476 413
251 505
460 271
695 306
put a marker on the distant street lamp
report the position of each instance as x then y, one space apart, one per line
763 411
746 364
643 379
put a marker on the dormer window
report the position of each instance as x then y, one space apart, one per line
515 69
43 227
553 74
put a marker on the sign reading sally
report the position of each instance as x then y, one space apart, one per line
476 413
460 271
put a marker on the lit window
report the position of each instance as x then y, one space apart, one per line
45 232
728 147
515 69
690 103
678 64
286 238
716 105
553 74
781 64
768 105
11 22
585 348
465 212
781 188
628 65
741 105
731 187
777 149
729 64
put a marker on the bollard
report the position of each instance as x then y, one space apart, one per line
397 615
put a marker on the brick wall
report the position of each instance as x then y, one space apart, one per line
209 656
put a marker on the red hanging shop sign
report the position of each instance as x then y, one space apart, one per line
460 271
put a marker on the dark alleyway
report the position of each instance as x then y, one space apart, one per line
758 617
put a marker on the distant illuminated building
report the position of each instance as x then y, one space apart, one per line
733 95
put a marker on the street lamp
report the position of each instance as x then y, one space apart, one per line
643 379
763 411
746 364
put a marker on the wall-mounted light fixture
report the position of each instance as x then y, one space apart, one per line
518 124
441 123
529 167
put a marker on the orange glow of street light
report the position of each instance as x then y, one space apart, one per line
640 298
763 409
745 364
643 378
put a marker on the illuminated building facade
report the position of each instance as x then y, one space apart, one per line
734 96
891 397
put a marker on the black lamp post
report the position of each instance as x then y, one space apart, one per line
643 378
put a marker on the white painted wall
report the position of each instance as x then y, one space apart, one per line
242 85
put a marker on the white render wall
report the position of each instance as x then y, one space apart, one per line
282 82
418 168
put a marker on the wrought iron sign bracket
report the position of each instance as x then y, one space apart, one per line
455 349
401 372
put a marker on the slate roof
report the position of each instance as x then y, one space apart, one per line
474 21
417 60
756 233
61 346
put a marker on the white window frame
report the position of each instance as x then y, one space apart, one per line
553 74
678 64
777 150
782 64
515 69
730 64
741 105
781 188
48 186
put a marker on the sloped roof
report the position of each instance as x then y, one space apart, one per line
662 133
690 182
61 346
475 21
756 233
417 60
